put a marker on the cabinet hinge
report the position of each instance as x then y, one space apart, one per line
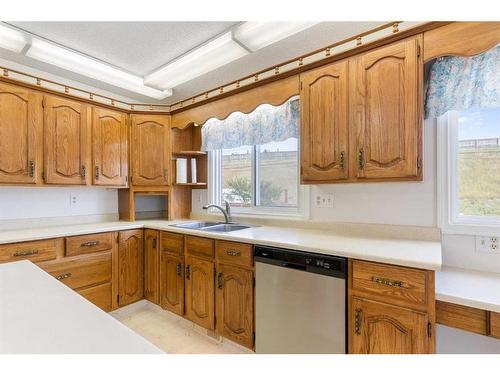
301 85
429 329
254 337
419 162
418 51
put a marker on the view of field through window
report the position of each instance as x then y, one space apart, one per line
275 166
479 162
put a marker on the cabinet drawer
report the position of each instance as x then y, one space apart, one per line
392 282
36 251
89 243
199 246
495 324
81 271
172 243
99 295
234 253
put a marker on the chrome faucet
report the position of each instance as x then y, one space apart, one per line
227 212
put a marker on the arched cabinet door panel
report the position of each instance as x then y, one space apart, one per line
109 147
150 150
387 111
20 131
324 127
172 283
130 266
66 128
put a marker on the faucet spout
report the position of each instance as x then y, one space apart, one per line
226 212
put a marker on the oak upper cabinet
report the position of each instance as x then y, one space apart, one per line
234 304
200 292
150 150
130 266
20 132
151 265
386 111
324 124
66 137
384 329
109 147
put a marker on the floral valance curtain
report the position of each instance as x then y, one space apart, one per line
460 83
265 124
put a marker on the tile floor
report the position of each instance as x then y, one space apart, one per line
170 332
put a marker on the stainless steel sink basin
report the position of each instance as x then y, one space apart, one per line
195 224
225 227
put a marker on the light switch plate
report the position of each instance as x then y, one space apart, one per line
488 244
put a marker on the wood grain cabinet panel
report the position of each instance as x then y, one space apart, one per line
109 147
150 150
151 265
495 324
234 304
462 317
324 124
20 130
66 144
88 243
36 251
234 253
387 111
199 246
99 295
200 297
130 266
172 282
172 243
378 328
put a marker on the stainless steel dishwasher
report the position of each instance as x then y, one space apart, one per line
300 302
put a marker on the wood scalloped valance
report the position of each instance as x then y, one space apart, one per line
274 93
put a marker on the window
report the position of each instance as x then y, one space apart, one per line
469 171
258 179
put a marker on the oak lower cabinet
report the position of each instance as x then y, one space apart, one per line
172 272
200 293
151 265
130 266
21 126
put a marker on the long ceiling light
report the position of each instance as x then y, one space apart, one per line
201 60
75 62
257 35
11 39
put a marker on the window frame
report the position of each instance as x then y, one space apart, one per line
449 219
302 210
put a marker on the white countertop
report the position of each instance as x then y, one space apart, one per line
39 314
469 288
411 253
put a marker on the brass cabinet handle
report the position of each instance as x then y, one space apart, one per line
63 276
84 171
220 282
97 172
24 253
361 158
154 243
31 168
233 253
342 160
179 269
357 322
388 282
188 272
90 244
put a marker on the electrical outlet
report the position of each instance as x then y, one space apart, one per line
74 200
487 244
323 200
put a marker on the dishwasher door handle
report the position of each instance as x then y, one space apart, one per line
294 266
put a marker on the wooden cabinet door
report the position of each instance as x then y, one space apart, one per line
379 328
130 266
66 124
150 150
200 298
234 304
172 283
109 147
20 131
387 111
324 131
151 265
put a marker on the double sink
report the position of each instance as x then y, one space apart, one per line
212 226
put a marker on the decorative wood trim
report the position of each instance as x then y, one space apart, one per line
462 317
461 39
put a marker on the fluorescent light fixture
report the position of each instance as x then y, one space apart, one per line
11 39
201 60
75 62
257 35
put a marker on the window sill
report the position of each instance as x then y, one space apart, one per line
470 229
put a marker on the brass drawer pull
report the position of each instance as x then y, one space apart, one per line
361 159
220 282
31 168
188 272
388 282
90 243
357 322
233 253
63 276
342 160
24 253
97 173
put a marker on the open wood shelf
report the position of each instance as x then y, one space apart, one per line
189 153
191 184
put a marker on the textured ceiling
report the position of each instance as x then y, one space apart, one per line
141 47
